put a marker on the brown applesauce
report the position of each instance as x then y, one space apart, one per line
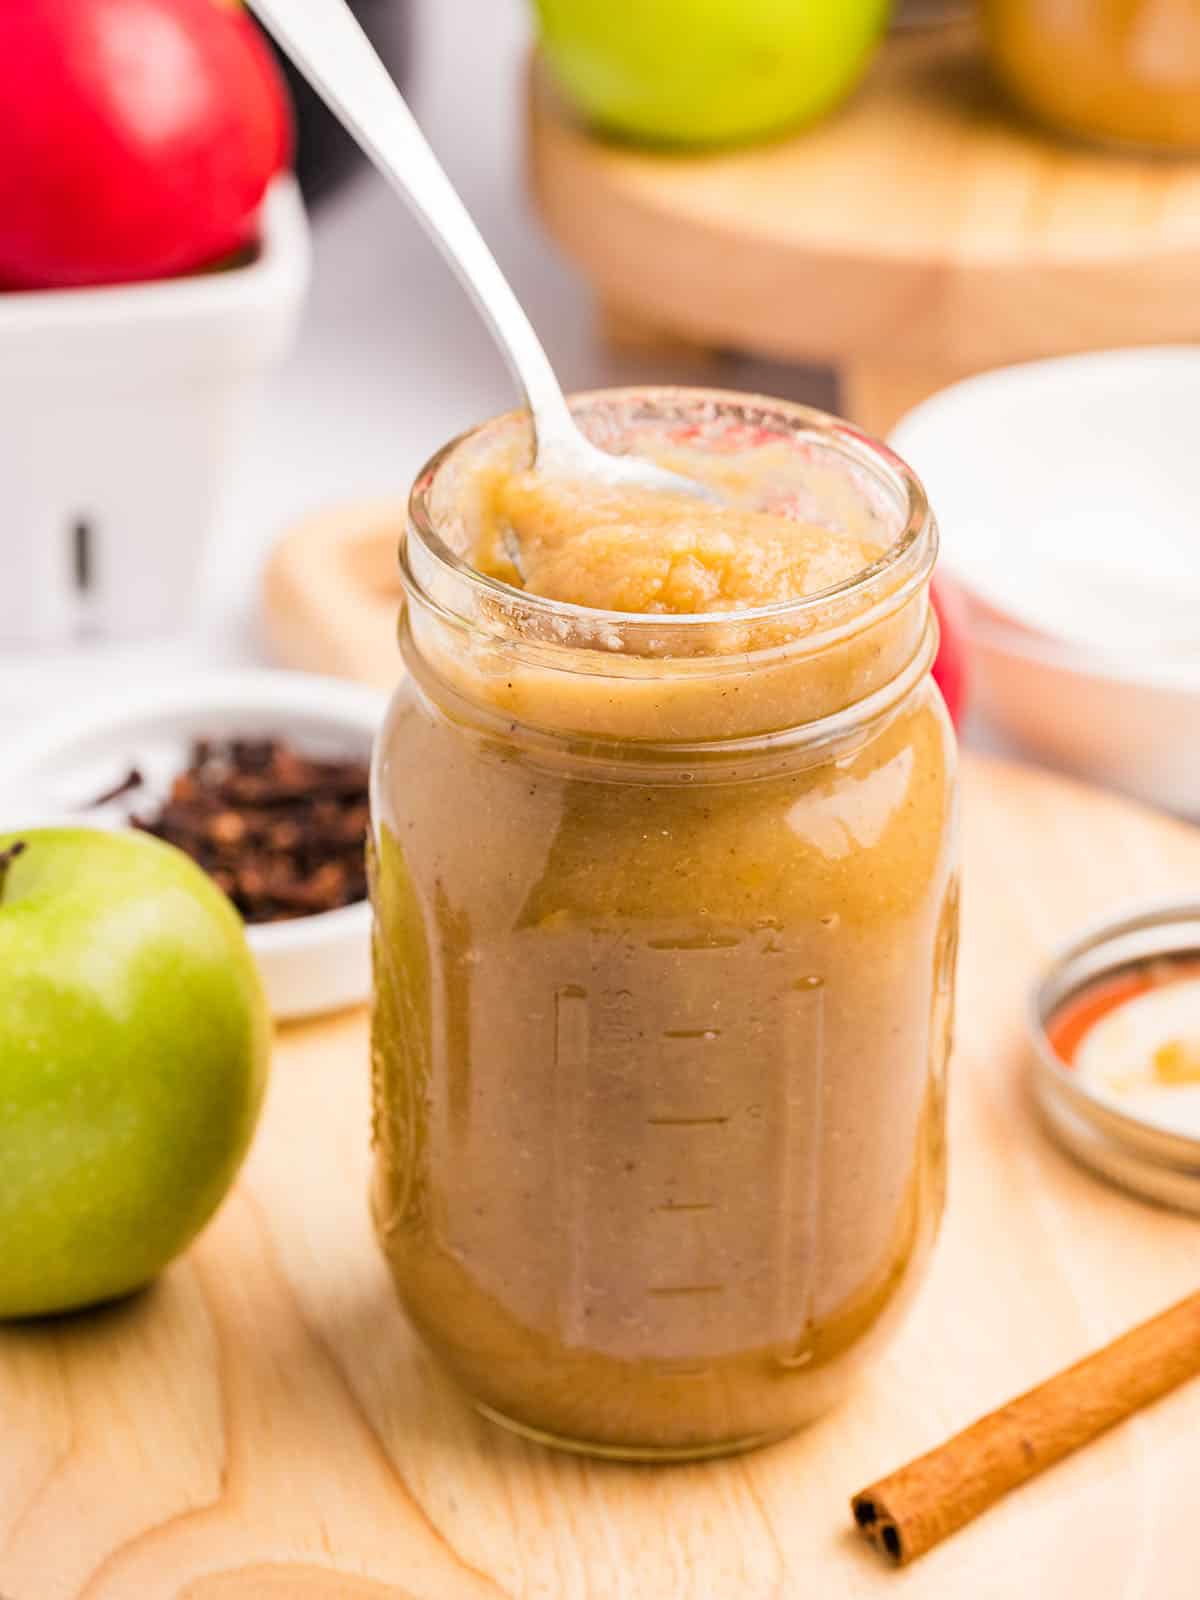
666 914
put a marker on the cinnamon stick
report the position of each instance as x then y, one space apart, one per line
906 1514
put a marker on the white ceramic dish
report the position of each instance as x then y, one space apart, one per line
1069 505
120 409
1130 730
314 964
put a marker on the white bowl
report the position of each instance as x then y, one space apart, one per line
1125 730
310 965
1067 498
120 410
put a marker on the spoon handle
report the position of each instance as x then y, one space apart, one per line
329 47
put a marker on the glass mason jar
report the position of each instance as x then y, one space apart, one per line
665 923
1119 71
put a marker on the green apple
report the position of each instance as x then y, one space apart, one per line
707 71
133 1056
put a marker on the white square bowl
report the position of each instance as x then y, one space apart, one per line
119 411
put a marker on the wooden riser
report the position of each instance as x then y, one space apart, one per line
922 233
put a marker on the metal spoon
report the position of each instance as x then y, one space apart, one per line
325 41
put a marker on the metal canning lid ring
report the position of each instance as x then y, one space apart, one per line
1127 1149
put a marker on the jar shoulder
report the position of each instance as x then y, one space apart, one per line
871 830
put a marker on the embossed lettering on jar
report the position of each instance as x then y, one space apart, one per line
666 915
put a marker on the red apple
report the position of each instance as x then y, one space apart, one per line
950 668
140 135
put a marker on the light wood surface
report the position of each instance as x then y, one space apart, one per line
262 1425
331 593
922 233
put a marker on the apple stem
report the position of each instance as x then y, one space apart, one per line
7 857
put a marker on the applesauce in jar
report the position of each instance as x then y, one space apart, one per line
664 877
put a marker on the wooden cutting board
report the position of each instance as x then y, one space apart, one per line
923 232
262 1425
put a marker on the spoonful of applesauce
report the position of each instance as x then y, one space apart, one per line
325 41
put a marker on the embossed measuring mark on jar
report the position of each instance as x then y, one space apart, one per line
688 1154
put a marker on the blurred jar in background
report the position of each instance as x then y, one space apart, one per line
1122 71
928 13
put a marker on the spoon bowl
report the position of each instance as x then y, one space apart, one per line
563 453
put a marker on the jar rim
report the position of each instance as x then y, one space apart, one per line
858 449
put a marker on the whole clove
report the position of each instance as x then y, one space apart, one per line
283 834
131 781
7 857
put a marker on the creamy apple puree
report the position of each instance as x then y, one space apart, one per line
618 549
665 923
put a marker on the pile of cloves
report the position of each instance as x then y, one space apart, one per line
283 834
